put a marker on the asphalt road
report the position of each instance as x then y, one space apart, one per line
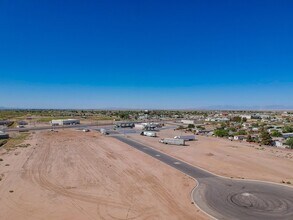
70 126
225 198
54 127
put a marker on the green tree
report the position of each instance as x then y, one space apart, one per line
276 133
221 133
232 129
200 127
124 115
191 126
255 125
288 129
249 138
265 137
289 142
241 132
236 119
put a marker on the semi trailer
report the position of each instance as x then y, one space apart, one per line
149 133
186 137
172 141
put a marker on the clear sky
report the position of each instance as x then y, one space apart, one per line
145 53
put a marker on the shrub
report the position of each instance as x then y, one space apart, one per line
289 142
2 142
191 126
266 138
221 133
276 133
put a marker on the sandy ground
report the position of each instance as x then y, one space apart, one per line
76 175
230 159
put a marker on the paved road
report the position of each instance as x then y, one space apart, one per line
70 126
225 198
55 127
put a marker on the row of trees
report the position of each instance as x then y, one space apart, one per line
265 137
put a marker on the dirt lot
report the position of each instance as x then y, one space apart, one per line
76 175
230 159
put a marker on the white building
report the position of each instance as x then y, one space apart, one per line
222 119
187 121
279 142
246 116
65 122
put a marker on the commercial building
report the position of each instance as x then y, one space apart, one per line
246 116
65 122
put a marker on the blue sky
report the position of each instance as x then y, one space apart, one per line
145 54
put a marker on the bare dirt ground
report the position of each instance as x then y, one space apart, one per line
76 175
230 159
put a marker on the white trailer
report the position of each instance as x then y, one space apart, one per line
172 141
149 133
186 137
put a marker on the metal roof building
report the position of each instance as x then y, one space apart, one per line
65 122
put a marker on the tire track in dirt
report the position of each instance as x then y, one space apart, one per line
38 172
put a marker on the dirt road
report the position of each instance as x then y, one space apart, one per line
76 175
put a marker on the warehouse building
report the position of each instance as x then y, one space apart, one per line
65 122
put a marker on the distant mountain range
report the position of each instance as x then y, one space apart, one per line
254 107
